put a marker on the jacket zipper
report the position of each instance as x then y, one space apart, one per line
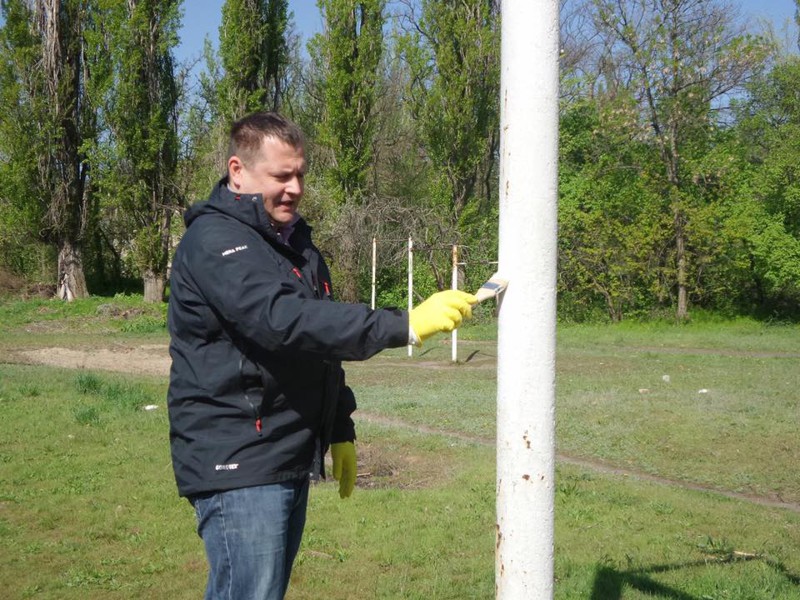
247 398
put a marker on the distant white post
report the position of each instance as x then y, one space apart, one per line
527 322
454 285
410 283
374 261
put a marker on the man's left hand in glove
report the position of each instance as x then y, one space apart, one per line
344 467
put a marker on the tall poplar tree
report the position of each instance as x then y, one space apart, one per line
350 50
254 55
454 54
47 125
349 53
142 117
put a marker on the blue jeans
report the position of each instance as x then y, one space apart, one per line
251 536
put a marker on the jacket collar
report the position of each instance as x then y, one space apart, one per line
247 208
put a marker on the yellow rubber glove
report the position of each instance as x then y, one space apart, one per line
443 311
344 467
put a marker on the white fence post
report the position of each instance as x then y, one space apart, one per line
454 285
374 261
410 284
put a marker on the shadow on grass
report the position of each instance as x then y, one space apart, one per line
471 356
609 582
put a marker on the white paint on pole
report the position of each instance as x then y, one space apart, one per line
374 263
454 285
527 323
410 283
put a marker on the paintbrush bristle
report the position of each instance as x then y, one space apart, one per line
492 288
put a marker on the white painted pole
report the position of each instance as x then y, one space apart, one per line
454 285
527 323
410 283
374 262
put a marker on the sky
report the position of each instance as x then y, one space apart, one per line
202 17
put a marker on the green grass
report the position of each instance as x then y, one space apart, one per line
88 507
31 323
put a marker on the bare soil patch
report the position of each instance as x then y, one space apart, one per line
150 359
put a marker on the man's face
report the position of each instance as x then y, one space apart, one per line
276 173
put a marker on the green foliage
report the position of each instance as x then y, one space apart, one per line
144 324
253 54
350 50
666 197
768 215
105 396
676 62
347 78
611 227
139 158
87 415
453 58
48 126
17 213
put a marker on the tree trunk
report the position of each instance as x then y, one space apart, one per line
71 280
682 312
153 287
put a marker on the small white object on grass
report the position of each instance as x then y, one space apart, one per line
151 407
665 378
703 391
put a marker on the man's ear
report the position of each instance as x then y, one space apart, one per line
235 168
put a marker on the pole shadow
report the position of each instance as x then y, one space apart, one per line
609 582
471 356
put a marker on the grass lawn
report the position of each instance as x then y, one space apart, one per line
88 507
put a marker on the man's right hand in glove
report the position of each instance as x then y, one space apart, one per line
443 311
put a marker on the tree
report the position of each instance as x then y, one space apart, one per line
611 231
349 53
253 53
453 56
142 117
681 59
351 49
769 129
48 124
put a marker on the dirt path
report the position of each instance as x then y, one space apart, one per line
590 464
154 359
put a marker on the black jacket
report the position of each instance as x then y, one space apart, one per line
256 389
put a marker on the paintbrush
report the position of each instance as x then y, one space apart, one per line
492 288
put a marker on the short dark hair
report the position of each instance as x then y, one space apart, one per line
248 133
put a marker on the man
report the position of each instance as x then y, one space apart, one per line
257 393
